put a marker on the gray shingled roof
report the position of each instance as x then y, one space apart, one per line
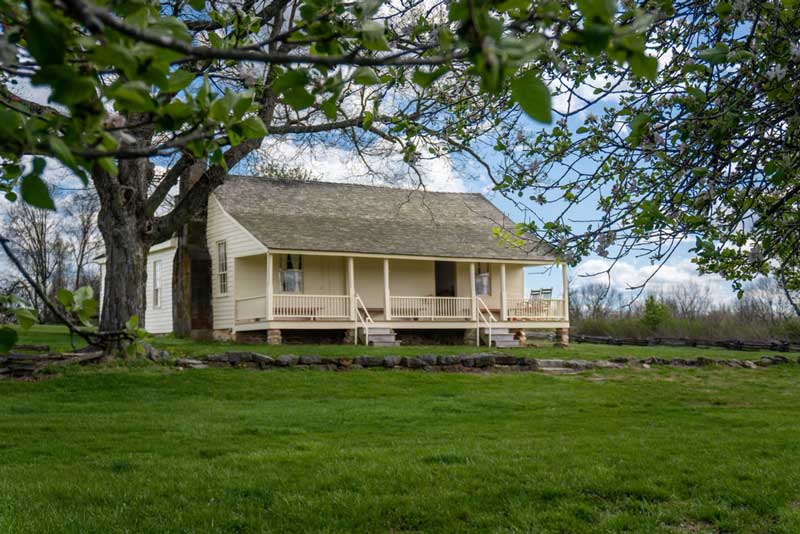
335 217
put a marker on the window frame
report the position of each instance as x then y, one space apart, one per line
481 274
295 270
222 267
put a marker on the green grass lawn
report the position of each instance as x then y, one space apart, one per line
57 338
152 449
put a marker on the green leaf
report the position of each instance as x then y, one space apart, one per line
62 152
108 165
368 118
26 318
291 86
218 159
639 126
65 297
644 66
178 80
329 108
83 294
132 324
133 96
46 40
34 192
511 5
88 310
425 79
716 55
197 5
596 37
8 337
372 36
365 76
598 10
253 127
532 95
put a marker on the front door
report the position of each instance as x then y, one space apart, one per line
445 278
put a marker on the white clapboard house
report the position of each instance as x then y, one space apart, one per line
367 261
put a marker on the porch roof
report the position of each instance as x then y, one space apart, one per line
335 217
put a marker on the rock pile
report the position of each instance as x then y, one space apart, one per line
20 365
481 361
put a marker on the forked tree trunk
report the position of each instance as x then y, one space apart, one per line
126 228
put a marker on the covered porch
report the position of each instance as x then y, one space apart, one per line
300 290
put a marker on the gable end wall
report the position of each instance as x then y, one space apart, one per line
222 227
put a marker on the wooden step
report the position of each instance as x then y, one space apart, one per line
496 330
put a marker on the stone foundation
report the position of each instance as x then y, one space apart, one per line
522 337
223 334
349 336
274 337
470 336
562 338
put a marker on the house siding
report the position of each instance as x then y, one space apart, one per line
158 319
239 243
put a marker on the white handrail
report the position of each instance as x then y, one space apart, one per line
480 317
365 321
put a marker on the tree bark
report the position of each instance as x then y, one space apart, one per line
126 227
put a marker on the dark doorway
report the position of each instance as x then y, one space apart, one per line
445 278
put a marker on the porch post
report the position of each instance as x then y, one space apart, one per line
472 295
270 314
503 295
565 284
351 287
387 299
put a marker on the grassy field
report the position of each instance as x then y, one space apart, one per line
151 449
56 337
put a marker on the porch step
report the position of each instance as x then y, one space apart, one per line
379 337
502 338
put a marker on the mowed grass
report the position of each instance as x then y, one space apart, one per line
152 449
57 338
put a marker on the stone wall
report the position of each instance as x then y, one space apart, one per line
483 361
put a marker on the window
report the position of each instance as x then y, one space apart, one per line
483 280
157 284
291 274
222 259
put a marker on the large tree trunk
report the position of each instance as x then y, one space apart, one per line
126 227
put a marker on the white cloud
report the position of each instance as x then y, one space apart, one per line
626 275
343 164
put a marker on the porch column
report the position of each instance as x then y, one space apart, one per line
565 284
472 295
270 315
503 295
351 287
387 299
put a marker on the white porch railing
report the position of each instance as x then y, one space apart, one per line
311 306
431 307
251 308
523 308
337 307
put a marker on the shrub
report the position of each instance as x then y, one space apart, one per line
655 313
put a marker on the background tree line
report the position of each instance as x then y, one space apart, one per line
685 310
58 249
